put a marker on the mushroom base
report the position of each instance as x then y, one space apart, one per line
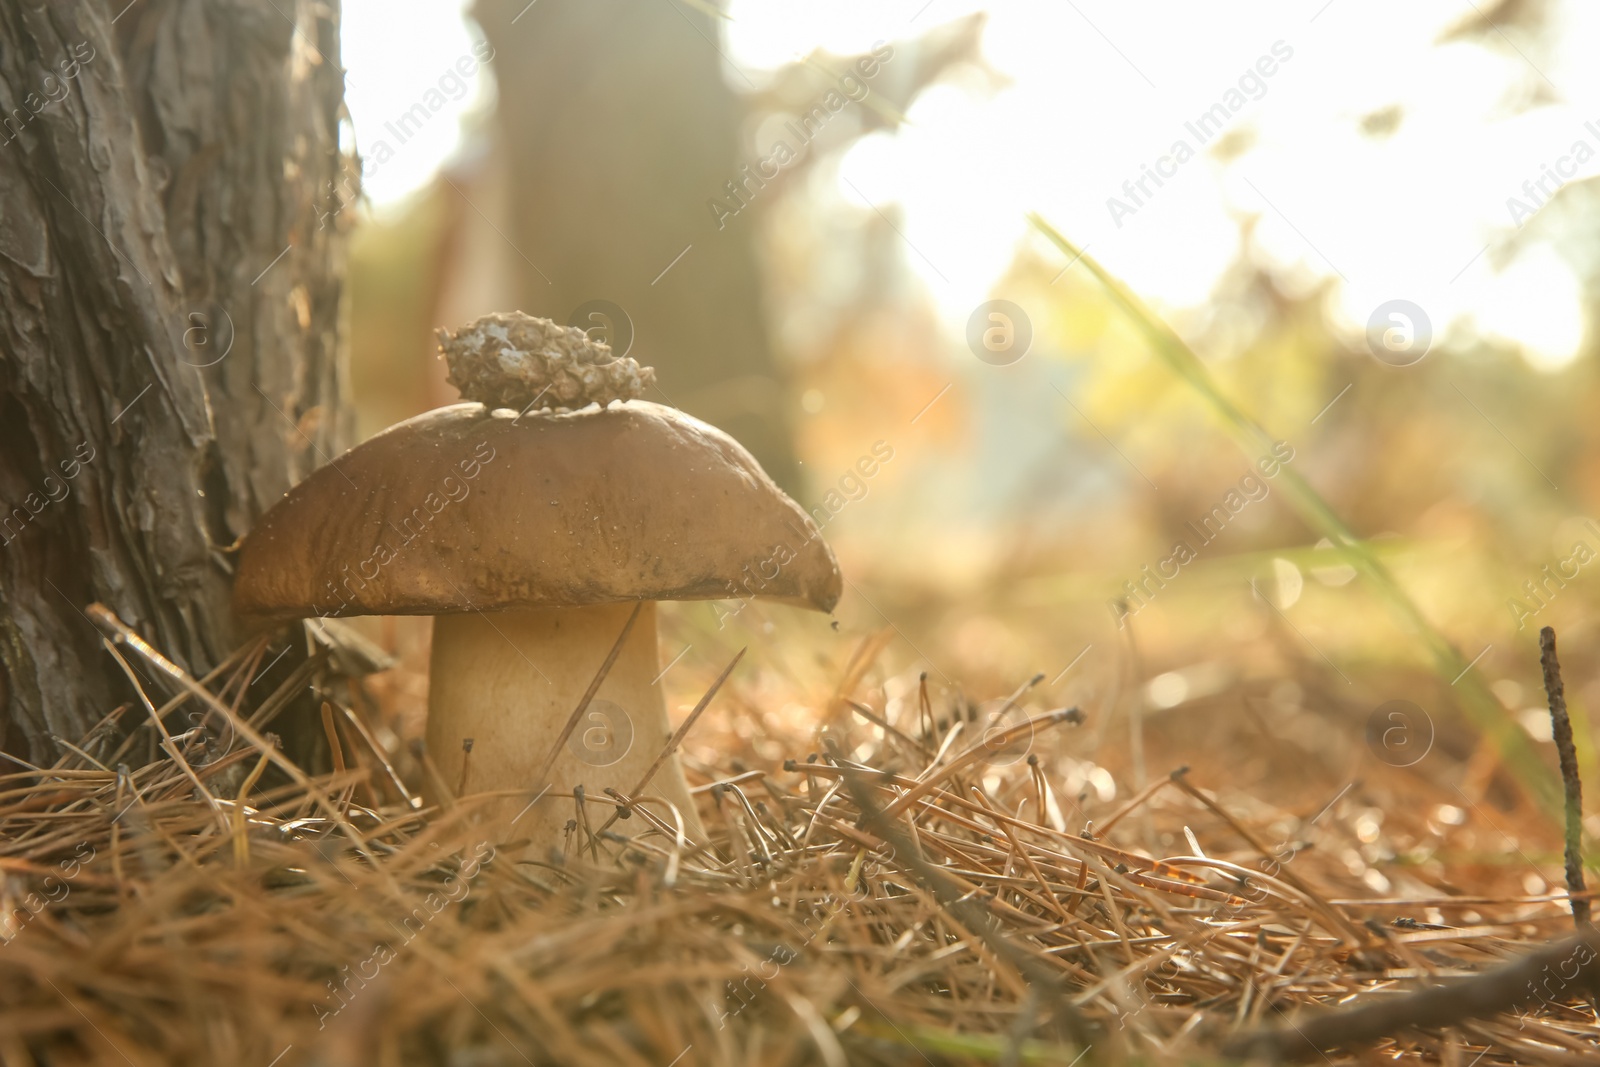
509 680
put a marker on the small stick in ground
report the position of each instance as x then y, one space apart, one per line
1561 734
1500 990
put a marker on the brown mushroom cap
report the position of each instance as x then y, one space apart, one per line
466 508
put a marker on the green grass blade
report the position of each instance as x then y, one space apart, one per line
1515 747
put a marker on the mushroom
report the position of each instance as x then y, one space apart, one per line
531 534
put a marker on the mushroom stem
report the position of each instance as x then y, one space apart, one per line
509 680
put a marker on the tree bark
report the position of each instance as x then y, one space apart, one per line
170 285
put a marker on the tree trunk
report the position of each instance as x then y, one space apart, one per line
170 282
620 131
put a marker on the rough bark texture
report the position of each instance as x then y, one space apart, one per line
169 322
620 129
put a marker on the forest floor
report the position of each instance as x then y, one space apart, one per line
896 874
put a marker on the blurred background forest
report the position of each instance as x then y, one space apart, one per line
616 166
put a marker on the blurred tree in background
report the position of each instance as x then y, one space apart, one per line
621 185
617 125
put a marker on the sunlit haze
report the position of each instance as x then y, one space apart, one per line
1420 210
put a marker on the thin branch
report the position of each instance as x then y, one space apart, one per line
1561 733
